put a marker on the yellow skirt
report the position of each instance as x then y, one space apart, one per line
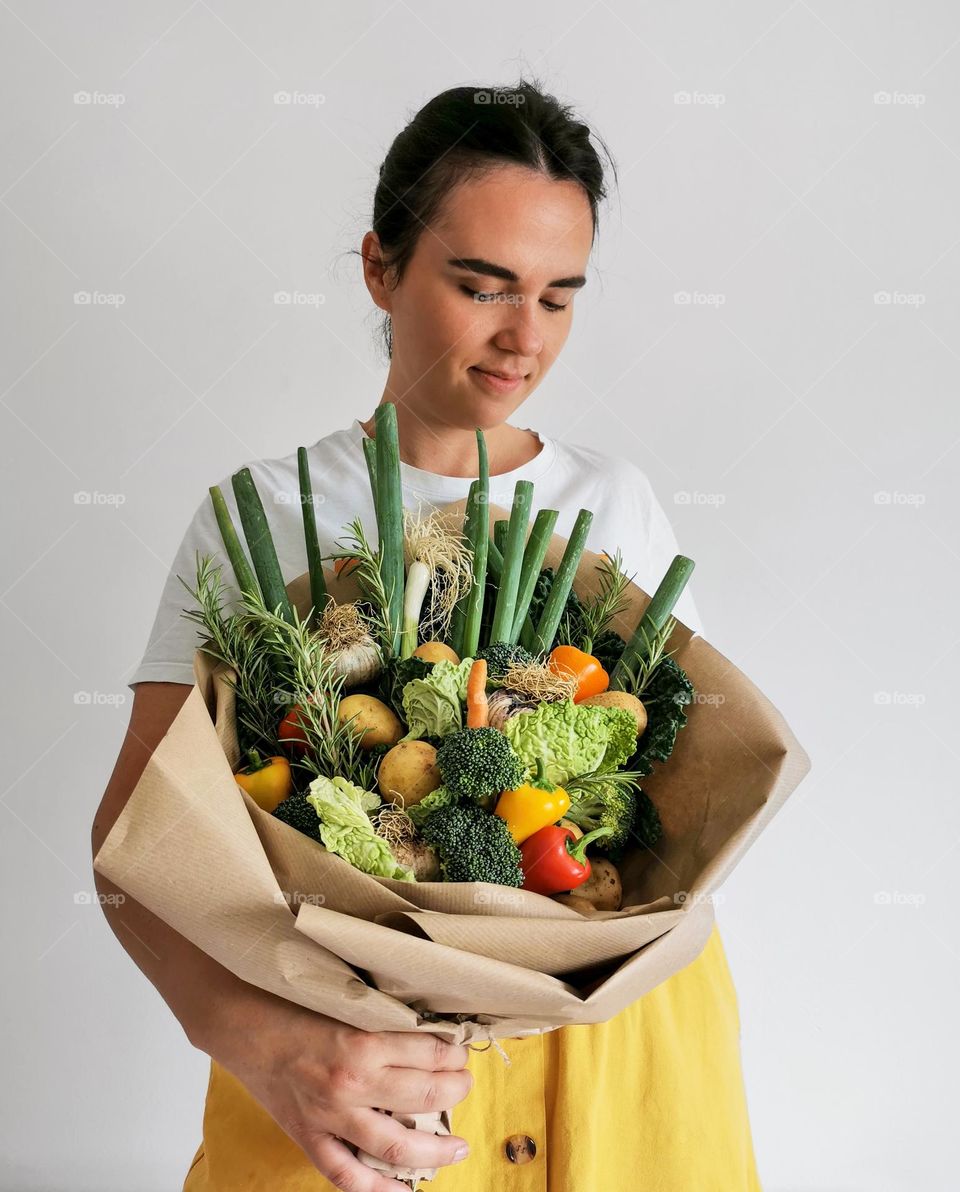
652 1099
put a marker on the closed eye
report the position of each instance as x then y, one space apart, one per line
490 295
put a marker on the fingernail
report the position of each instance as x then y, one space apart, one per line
460 1153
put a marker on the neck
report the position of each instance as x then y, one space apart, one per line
452 451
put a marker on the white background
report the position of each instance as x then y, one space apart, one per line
782 407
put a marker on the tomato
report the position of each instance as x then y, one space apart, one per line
290 733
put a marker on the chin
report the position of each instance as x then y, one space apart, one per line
485 412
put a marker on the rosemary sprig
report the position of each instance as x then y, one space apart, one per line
307 675
224 638
567 634
584 784
639 676
596 614
220 632
367 568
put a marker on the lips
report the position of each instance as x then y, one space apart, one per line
503 375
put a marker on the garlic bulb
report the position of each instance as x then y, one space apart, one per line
356 656
359 663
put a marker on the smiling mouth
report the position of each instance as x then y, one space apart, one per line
503 376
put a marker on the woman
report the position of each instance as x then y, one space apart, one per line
484 219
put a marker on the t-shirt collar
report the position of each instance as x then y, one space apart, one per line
453 487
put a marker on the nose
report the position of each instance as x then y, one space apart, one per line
519 331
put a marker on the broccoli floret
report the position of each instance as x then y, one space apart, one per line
473 845
475 762
441 797
499 655
606 805
299 814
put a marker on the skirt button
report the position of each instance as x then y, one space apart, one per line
520 1148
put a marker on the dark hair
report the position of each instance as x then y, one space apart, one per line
464 132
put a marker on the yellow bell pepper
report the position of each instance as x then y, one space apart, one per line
532 806
266 780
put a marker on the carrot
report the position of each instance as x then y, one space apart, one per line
477 694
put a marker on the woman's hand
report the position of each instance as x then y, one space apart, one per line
323 1082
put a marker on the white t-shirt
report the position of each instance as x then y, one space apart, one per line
566 477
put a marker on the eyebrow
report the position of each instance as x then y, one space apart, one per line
489 269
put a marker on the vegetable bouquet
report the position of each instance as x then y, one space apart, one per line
467 717
440 784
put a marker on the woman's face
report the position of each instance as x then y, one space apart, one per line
523 224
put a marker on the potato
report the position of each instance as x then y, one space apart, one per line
375 724
620 699
583 906
602 888
409 770
435 651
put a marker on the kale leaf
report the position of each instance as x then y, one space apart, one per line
665 697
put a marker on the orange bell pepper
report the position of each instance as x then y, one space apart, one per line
590 675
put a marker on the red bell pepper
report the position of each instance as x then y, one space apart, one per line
554 860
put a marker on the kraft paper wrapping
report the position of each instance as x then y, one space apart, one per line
282 913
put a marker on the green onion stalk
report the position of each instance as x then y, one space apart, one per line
477 533
506 604
637 650
318 584
370 455
533 556
389 506
256 530
500 535
246 580
552 612
468 614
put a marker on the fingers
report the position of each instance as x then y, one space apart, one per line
410 1050
411 1091
400 1145
344 1170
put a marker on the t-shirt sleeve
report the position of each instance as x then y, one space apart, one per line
174 638
662 547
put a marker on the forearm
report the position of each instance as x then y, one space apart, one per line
204 997
202 994
215 1008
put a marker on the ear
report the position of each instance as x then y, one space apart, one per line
374 271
